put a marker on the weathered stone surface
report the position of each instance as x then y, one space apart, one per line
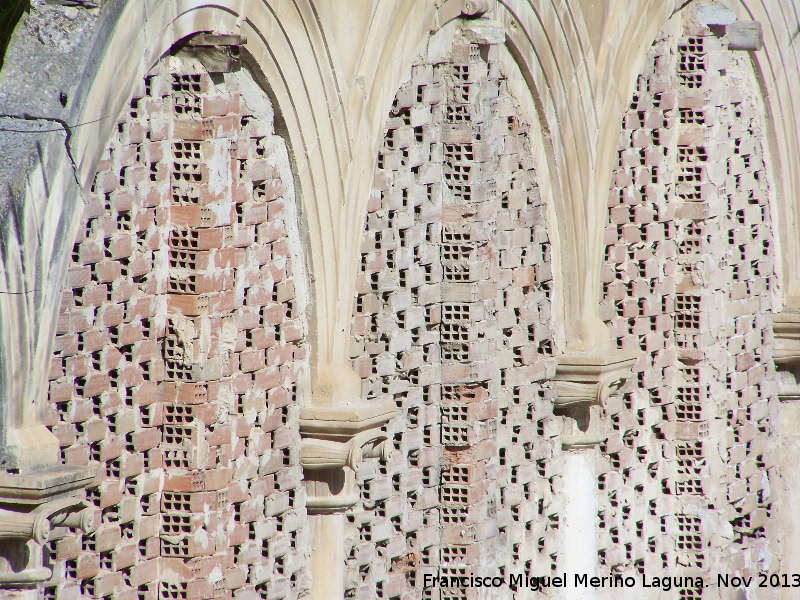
745 35
462 479
694 421
186 258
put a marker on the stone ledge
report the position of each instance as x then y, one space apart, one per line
37 487
583 383
344 420
786 326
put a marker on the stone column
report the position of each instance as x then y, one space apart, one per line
339 430
579 550
583 383
327 555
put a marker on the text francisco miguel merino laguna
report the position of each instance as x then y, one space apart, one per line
580 580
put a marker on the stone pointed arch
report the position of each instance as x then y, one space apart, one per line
332 71
581 94
127 40
333 92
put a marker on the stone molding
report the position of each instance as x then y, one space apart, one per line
217 53
786 326
476 8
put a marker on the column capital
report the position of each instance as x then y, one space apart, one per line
583 382
786 327
340 429
589 378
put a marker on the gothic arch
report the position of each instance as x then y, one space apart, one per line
333 89
131 39
326 120
453 323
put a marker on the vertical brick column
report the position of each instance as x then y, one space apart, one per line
639 281
721 308
452 321
699 185
698 312
735 121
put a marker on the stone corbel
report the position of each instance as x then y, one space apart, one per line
31 506
339 430
786 327
324 454
583 384
217 53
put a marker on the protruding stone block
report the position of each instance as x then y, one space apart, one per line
745 35
583 383
715 16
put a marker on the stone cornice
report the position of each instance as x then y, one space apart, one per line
34 488
344 420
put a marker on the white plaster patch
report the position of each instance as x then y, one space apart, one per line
215 575
219 178
185 332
